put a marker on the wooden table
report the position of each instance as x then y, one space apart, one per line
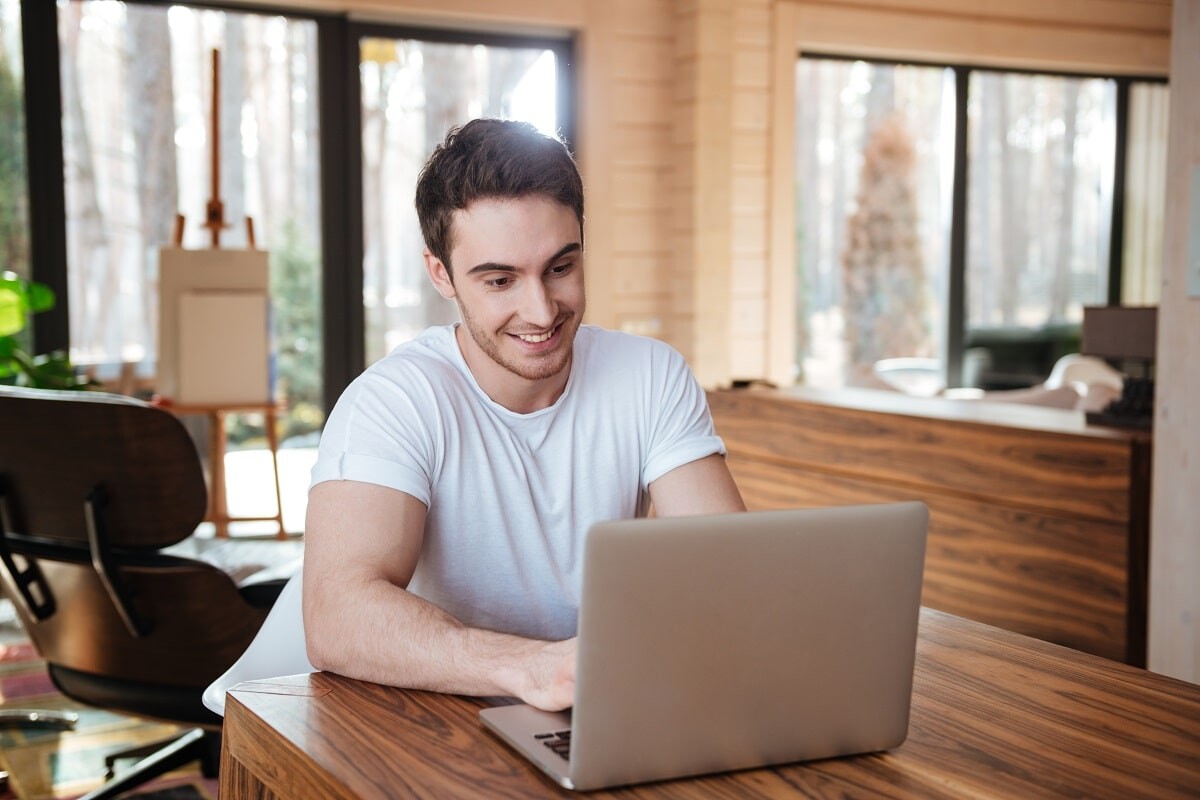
218 508
995 714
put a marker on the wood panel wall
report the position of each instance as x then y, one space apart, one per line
1038 524
1175 543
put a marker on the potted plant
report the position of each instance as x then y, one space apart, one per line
20 299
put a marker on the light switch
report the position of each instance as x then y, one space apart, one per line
1193 253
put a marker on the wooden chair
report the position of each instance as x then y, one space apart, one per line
92 488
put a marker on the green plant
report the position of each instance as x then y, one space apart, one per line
20 299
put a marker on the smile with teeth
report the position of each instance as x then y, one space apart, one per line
536 338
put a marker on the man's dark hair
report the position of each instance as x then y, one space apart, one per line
492 158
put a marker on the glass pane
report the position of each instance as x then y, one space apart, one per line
412 92
874 151
1145 194
137 115
1039 197
14 185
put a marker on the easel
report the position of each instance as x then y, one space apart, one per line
227 283
214 216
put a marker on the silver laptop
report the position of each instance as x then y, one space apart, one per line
733 641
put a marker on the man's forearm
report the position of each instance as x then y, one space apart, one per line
384 634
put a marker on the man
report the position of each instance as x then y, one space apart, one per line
457 476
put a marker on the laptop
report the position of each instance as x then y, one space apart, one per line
734 641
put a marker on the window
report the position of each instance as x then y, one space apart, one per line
921 267
1039 197
874 210
14 185
413 90
1145 194
136 125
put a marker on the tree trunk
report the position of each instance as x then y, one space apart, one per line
87 239
447 76
233 161
1060 290
150 109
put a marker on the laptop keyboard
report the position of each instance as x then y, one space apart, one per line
558 741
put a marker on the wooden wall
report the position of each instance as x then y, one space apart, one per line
1175 535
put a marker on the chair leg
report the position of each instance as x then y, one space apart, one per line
135 754
195 744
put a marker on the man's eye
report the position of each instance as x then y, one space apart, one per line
498 283
561 268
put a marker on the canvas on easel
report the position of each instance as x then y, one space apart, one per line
214 340
214 327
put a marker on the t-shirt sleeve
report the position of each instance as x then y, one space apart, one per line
376 434
681 427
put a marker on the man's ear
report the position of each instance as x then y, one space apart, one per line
439 275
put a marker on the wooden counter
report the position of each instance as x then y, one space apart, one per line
1039 523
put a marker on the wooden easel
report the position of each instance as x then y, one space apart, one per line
218 512
214 213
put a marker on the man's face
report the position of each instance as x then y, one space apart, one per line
518 282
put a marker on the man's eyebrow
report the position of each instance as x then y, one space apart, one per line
494 266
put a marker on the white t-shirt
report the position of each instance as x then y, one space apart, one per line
510 496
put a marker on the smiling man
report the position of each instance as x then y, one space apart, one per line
457 476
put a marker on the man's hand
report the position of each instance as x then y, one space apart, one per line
550 676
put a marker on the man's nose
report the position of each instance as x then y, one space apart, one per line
538 307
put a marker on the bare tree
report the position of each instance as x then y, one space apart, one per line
232 100
883 268
1060 289
150 109
88 240
448 87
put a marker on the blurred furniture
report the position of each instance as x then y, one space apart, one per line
1128 337
1076 381
994 714
1039 522
916 376
218 507
1000 358
93 489
1076 368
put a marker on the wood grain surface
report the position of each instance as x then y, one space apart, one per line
994 715
1038 523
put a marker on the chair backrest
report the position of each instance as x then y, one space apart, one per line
92 487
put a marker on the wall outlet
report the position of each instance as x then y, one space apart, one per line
1193 251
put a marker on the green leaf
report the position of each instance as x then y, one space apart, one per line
39 296
12 312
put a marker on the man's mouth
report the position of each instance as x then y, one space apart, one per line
537 338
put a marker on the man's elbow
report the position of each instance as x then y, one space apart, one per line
321 639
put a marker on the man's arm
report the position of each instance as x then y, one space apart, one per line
703 486
361 545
